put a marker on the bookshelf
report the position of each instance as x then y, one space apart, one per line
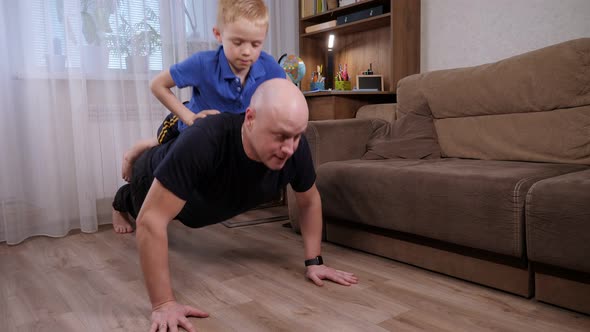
389 41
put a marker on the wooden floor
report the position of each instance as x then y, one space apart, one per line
248 279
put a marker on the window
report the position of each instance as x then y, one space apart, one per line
64 27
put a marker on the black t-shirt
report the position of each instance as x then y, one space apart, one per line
207 167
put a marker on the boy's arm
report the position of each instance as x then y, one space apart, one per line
160 86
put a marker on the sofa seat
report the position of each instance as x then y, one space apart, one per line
478 203
558 240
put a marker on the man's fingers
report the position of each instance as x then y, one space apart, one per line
349 277
163 327
173 328
353 279
339 280
154 327
194 312
344 272
316 280
186 324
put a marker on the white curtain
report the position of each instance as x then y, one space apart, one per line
71 104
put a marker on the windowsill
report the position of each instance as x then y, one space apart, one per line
110 75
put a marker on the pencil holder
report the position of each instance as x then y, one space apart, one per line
342 85
316 86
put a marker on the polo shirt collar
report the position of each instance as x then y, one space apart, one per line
256 71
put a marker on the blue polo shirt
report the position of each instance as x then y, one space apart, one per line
215 86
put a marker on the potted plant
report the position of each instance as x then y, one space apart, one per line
56 59
95 27
136 42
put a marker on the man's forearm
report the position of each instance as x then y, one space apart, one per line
310 221
153 253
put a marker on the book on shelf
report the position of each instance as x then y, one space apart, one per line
320 26
342 3
307 8
360 15
314 7
321 6
332 4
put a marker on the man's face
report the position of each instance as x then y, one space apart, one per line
275 141
242 43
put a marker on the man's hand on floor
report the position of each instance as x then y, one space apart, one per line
170 315
317 273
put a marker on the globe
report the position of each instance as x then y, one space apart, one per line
293 67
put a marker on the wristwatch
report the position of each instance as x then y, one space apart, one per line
314 261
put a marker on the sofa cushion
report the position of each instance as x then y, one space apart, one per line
514 109
410 137
558 221
385 112
546 79
474 203
538 136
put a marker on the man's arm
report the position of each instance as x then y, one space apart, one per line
158 209
310 210
310 221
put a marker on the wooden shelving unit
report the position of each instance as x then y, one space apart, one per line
390 41
358 26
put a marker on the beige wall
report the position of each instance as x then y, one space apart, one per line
460 33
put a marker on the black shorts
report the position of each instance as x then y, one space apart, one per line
168 129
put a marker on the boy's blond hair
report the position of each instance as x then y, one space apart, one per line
229 11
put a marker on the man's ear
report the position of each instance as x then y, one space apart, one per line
217 34
250 117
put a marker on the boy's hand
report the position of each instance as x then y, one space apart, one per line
200 115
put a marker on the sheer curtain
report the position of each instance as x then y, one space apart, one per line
74 95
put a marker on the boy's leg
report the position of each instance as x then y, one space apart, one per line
122 207
168 129
133 153
129 197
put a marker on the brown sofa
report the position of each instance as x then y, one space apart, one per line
482 174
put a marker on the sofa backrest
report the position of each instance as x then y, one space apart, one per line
531 107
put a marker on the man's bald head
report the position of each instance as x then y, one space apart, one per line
280 98
274 122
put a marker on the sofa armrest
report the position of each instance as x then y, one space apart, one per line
331 140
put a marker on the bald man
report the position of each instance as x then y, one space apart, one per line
222 166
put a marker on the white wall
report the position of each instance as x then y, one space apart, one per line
461 33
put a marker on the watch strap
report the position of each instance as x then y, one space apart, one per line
314 261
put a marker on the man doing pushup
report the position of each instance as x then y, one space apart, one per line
219 167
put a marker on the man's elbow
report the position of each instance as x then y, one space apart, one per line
148 225
309 199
